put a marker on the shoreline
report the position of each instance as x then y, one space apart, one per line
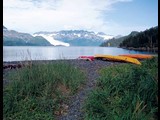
147 49
81 64
19 64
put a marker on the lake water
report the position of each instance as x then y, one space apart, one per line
21 53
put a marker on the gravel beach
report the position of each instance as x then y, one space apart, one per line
90 69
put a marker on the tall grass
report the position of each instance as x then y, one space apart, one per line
125 92
37 91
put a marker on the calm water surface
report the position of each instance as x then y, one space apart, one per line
21 53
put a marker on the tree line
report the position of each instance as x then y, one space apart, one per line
148 38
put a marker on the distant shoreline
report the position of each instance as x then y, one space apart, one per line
155 49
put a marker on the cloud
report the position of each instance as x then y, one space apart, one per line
54 15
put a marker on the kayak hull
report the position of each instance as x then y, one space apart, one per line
118 58
90 58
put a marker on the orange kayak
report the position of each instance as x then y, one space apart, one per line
138 56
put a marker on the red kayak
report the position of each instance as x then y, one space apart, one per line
138 56
90 58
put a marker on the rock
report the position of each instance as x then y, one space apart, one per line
11 66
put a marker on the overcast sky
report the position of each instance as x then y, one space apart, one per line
113 17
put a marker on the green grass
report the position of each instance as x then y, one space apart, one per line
125 92
37 91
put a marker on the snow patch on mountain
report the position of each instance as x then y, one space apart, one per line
96 33
54 34
86 35
50 38
105 37
79 35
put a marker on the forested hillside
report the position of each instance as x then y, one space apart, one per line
148 38
114 42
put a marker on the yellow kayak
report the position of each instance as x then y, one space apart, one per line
118 58
138 56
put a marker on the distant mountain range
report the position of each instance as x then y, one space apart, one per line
60 38
74 37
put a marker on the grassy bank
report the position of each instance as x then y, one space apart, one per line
125 92
38 91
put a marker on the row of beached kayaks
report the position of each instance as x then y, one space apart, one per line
125 58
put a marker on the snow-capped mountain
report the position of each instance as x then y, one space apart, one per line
104 36
60 38
74 37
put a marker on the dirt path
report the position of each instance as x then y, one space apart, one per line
91 71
